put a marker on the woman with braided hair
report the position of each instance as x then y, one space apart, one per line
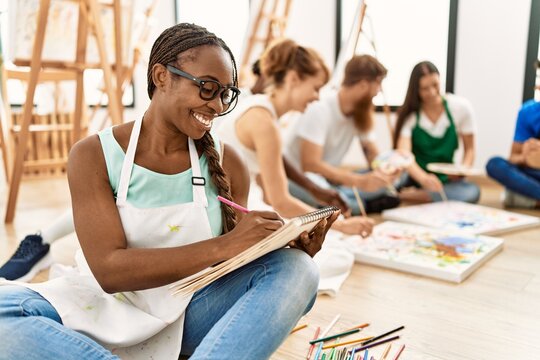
146 215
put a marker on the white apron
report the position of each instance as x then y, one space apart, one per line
139 324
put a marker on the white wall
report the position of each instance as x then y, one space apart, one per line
490 63
490 68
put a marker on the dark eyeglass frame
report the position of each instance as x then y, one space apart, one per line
220 90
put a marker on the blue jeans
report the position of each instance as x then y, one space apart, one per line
244 315
346 193
458 190
522 180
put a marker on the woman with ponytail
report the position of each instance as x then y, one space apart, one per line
294 74
146 213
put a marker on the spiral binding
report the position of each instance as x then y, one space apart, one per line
317 214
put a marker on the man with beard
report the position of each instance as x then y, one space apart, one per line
324 133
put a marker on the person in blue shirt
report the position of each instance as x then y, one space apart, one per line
519 175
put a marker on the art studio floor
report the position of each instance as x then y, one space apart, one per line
494 314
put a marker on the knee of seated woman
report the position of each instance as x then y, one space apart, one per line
299 270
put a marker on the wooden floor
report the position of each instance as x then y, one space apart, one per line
494 314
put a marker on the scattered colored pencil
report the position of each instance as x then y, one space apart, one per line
383 335
386 351
347 342
312 346
299 327
353 331
400 350
364 347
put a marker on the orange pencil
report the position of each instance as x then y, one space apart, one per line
358 327
347 342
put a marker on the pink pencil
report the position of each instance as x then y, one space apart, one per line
400 350
233 204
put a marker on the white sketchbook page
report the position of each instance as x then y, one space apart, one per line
460 216
276 240
442 254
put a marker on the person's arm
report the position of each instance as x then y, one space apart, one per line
102 239
370 150
468 150
428 181
258 130
311 156
325 196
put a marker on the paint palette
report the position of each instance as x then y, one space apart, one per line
454 169
391 161
442 254
460 216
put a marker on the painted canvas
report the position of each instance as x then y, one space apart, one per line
442 254
455 215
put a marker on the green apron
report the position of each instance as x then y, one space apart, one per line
428 149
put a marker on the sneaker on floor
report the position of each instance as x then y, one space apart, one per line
514 200
31 256
382 203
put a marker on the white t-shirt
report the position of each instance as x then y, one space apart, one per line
323 124
462 114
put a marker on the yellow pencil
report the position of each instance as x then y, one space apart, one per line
359 201
299 327
347 342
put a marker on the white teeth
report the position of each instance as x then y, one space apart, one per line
205 120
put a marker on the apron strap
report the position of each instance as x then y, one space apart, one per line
127 165
197 180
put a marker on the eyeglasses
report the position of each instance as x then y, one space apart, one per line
210 89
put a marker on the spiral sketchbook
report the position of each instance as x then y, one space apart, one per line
460 216
278 239
442 254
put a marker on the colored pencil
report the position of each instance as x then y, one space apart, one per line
382 335
312 346
318 352
233 204
359 201
359 326
353 331
386 351
332 323
347 342
366 352
299 327
400 350
364 347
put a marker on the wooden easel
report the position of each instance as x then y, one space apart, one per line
88 17
275 28
347 52
128 72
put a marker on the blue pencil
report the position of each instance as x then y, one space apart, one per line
366 354
318 352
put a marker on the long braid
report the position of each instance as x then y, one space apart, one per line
219 178
166 49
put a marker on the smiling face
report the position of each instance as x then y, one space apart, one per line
184 107
306 90
429 89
